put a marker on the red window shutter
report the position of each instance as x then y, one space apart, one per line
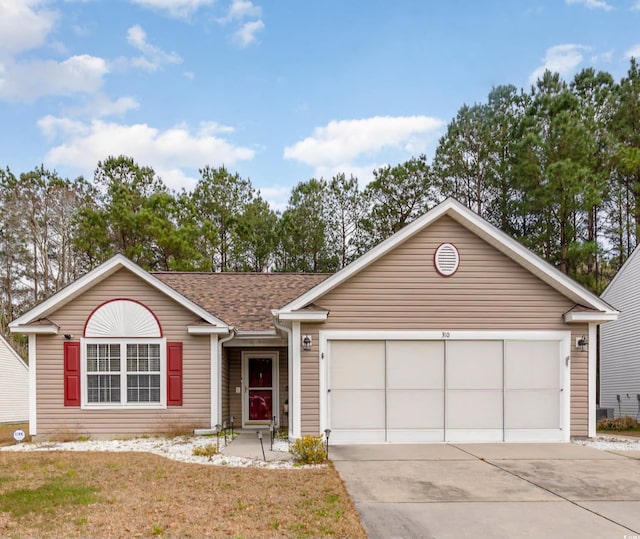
174 374
72 373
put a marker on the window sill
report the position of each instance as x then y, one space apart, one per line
137 406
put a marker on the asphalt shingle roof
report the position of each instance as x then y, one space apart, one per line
242 300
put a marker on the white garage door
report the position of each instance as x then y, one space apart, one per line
424 391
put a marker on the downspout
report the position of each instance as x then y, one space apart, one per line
232 334
289 333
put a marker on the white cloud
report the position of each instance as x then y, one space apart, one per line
592 4
100 106
180 9
277 196
213 128
340 143
246 34
189 75
562 59
29 80
241 9
633 52
170 152
636 6
153 57
24 25
604 57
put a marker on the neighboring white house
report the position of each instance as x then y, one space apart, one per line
620 343
14 386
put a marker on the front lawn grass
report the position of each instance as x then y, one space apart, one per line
101 494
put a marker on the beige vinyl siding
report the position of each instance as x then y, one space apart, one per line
283 385
54 417
310 382
579 383
224 381
235 380
403 291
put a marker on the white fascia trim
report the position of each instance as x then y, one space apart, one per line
98 274
592 357
35 330
207 330
590 317
501 241
311 316
33 416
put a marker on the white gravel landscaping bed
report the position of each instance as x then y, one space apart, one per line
180 448
611 442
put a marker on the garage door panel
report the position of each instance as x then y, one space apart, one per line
532 365
474 364
359 409
532 409
415 364
474 409
415 409
357 365
458 391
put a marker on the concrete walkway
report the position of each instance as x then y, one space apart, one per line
513 491
247 445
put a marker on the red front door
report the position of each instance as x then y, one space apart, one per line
260 388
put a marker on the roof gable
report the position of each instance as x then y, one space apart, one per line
492 235
629 271
96 276
243 300
8 354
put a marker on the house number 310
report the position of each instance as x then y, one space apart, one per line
446 334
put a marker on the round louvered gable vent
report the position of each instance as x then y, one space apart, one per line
447 259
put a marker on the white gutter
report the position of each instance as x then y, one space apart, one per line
289 333
218 389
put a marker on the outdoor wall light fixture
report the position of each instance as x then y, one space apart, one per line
582 343
306 342
69 336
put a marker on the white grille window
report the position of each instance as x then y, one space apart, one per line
102 361
447 259
124 373
143 373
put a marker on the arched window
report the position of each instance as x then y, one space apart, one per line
123 357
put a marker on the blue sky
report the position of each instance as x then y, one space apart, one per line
278 90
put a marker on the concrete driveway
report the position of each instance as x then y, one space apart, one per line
492 490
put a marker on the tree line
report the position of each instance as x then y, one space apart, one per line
557 167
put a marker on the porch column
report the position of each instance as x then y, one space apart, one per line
33 417
216 380
592 357
295 388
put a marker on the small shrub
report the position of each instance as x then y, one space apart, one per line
208 450
619 424
309 450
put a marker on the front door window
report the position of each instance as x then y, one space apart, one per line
260 388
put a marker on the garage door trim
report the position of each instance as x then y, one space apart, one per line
562 337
